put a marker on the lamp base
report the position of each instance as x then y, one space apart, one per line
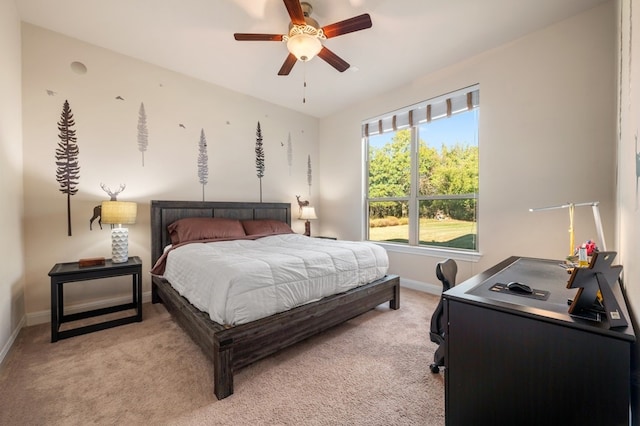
119 245
307 228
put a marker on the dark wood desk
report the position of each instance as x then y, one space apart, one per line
514 360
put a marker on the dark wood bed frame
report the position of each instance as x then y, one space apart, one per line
231 348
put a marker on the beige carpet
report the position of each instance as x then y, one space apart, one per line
373 370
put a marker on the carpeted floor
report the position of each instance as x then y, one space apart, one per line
372 370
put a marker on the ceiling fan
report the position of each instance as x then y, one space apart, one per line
303 38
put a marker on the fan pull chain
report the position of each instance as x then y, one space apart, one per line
304 85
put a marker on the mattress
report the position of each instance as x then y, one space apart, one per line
240 281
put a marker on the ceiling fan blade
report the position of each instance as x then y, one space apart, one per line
332 59
257 37
295 12
288 65
350 25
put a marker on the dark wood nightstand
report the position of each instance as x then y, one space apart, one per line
63 273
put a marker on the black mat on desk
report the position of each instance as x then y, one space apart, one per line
537 294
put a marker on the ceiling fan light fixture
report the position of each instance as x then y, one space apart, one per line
304 46
304 39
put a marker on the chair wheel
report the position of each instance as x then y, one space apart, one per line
434 368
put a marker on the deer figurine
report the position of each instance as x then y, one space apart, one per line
97 210
301 203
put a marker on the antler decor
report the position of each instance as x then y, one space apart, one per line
113 194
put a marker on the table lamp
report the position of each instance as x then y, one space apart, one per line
119 213
307 214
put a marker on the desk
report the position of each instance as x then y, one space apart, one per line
513 360
62 273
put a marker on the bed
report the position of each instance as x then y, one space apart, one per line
232 347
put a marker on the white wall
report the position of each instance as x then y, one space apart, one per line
11 250
107 139
547 137
628 193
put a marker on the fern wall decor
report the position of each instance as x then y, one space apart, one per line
259 157
67 165
203 161
289 153
143 133
309 172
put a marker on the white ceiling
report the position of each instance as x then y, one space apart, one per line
409 39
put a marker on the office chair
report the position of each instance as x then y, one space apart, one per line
446 272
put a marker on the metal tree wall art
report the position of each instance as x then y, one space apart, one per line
143 133
309 172
203 161
67 166
289 153
259 157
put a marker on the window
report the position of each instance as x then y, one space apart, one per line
422 173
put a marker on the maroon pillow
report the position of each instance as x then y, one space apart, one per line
266 227
204 228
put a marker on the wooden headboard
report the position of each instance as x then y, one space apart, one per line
164 213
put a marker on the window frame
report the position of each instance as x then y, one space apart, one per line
413 199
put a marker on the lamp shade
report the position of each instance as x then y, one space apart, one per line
308 213
304 46
118 212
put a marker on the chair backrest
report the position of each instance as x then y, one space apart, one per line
446 272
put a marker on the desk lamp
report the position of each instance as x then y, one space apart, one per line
571 207
119 213
307 214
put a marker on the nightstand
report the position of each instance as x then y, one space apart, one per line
63 273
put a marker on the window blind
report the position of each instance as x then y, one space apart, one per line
423 112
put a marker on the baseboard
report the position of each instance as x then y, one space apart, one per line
42 317
421 286
12 338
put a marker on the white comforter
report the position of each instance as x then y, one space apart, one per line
240 281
